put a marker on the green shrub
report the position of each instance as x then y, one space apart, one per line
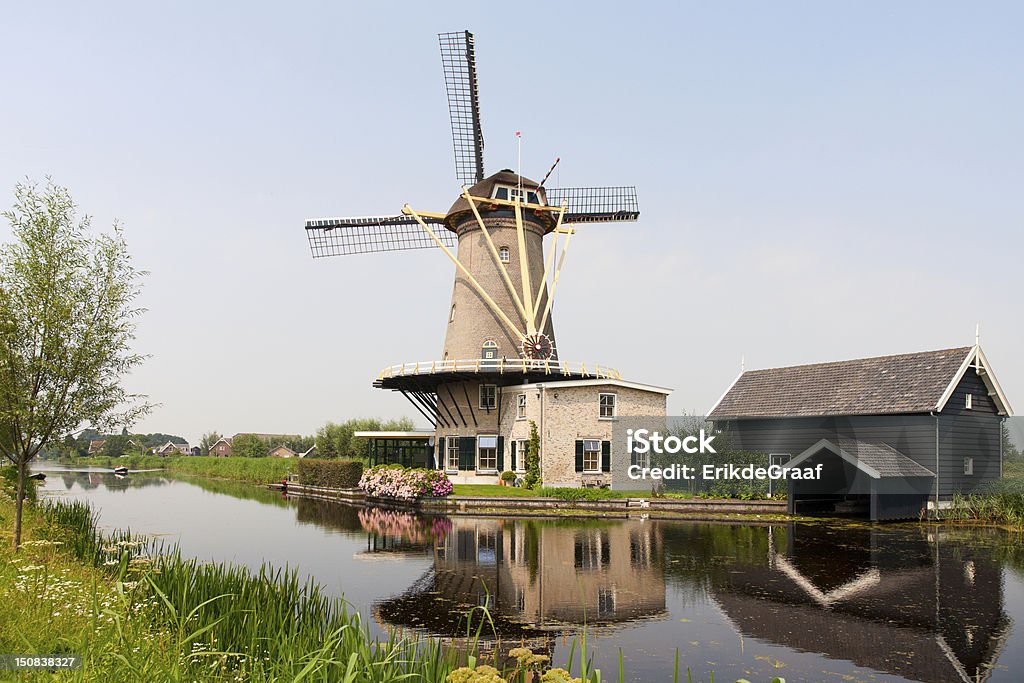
335 474
572 494
508 476
9 483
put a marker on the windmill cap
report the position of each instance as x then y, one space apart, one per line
485 188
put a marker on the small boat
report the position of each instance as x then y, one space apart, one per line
38 476
121 470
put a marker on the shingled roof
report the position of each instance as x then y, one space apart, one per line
906 383
878 460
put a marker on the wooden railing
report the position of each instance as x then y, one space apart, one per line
501 366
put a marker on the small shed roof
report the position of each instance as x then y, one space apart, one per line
906 383
877 460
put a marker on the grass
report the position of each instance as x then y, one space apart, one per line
1001 504
492 491
253 470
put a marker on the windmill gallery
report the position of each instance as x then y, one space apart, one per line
500 373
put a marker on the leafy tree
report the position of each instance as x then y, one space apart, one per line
249 446
1010 450
67 320
206 443
116 445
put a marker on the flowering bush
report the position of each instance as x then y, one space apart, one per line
394 481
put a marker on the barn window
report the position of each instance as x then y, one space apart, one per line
968 466
503 254
969 402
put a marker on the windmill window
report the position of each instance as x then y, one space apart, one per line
488 397
522 452
501 192
487 454
968 466
606 404
969 402
451 316
591 455
521 407
452 463
503 254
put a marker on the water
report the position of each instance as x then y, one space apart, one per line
810 602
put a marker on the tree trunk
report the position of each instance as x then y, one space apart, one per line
19 501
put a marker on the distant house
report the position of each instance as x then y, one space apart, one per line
221 448
196 450
894 434
171 448
96 445
282 451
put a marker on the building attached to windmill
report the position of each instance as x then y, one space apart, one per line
896 434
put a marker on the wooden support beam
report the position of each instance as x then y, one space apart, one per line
524 269
515 331
497 258
550 264
456 405
472 413
554 283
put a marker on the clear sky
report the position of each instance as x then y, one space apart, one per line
817 181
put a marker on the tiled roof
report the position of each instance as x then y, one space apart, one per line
907 383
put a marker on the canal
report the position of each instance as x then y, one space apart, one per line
810 602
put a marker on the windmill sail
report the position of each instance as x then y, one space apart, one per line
596 204
371 234
458 57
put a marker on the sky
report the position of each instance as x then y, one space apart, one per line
817 181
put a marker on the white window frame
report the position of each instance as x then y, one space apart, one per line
597 469
521 446
492 403
968 467
451 447
520 406
601 406
504 254
479 460
969 402
643 460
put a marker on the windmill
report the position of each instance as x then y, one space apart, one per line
500 314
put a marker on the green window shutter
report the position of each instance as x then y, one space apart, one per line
579 455
467 452
606 456
513 444
441 453
501 454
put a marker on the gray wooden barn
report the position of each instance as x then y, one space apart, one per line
895 434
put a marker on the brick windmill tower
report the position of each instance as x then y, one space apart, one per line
499 330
